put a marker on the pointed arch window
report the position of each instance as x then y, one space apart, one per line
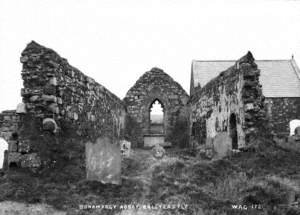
156 117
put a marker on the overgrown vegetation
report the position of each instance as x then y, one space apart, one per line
268 178
265 175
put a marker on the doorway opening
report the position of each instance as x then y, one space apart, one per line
3 148
233 131
293 125
156 111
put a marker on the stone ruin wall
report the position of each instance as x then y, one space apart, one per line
235 91
214 103
9 123
280 112
63 109
154 84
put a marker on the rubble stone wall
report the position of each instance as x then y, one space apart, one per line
64 109
154 85
280 112
9 122
234 91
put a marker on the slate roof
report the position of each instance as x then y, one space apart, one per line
279 78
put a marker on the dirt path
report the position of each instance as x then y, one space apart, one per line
144 174
146 165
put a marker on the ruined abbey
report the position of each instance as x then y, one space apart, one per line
67 117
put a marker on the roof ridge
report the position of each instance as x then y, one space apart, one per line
236 60
277 76
275 60
295 67
214 61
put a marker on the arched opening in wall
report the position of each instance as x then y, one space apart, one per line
233 131
196 134
3 148
156 117
293 125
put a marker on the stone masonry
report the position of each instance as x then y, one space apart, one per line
235 93
9 123
68 119
280 112
154 85
62 103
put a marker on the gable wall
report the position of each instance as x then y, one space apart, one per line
154 84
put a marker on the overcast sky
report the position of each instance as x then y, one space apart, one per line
115 42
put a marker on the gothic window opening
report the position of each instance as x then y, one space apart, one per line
156 117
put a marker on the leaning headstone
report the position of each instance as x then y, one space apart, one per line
103 161
158 151
125 148
222 145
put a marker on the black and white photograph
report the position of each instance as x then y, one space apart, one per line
150 107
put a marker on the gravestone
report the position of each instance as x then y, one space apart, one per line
222 145
103 161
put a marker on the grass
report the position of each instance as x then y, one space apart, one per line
268 177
